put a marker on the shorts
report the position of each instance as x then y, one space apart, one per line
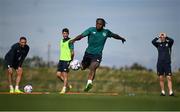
15 65
63 66
89 58
164 69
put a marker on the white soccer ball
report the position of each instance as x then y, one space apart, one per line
75 64
28 88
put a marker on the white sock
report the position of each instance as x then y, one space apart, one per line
16 87
170 92
89 82
163 91
11 87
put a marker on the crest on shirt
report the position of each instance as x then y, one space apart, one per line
94 32
166 44
104 34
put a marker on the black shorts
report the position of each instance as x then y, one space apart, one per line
15 65
89 58
164 69
63 66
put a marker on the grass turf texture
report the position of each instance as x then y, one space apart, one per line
88 102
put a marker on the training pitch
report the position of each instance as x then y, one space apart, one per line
41 101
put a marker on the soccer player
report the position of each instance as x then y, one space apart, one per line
66 55
14 59
97 37
164 45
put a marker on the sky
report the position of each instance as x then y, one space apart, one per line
139 21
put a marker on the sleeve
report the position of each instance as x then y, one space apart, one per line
24 56
11 55
170 41
109 33
154 42
86 32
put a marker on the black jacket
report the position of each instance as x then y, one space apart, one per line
164 49
16 55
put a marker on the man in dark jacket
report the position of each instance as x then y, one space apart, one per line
14 59
164 45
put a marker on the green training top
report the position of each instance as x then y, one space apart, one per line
65 50
96 39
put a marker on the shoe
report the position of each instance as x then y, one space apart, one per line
88 87
172 94
63 91
162 94
18 91
11 91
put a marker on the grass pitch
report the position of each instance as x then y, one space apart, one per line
88 102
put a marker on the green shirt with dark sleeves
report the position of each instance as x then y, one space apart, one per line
96 39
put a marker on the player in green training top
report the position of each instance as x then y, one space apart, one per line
66 55
96 40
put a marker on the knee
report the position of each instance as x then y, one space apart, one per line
58 74
161 78
169 78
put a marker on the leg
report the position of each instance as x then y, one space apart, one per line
19 75
91 75
65 78
161 82
19 72
10 74
60 76
10 80
169 80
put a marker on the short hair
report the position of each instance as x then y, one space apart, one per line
22 38
65 30
162 34
101 19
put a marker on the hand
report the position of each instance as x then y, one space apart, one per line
123 40
19 70
10 70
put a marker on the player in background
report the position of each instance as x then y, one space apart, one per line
14 60
97 37
66 56
164 46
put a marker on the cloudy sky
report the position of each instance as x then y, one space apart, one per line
139 21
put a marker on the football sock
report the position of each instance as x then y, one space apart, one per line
170 92
16 87
163 91
89 82
11 87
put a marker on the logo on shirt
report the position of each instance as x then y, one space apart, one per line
167 45
94 32
104 34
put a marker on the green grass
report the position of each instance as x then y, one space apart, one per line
84 102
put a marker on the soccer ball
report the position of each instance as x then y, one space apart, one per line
75 64
28 88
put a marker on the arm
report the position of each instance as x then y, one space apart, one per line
71 46
170 41
79 37
154 42
115 36
72 54
24 56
